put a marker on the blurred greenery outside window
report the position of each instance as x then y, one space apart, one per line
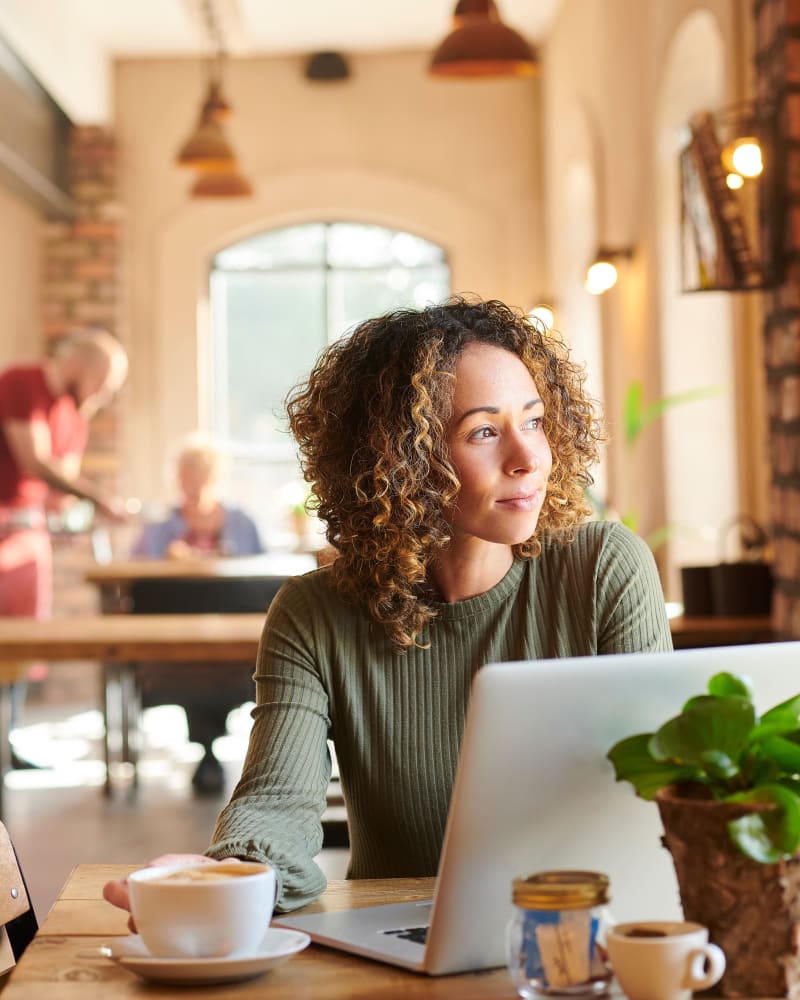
277 299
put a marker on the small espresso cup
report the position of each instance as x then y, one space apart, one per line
663 960
202 910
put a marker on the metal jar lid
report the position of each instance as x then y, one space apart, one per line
561 890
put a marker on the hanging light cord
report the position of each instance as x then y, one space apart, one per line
215 40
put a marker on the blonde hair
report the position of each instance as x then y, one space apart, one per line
197 449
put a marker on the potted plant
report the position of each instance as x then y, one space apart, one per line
727 785
636 417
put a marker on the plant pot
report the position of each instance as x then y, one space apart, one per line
752 910
696 587
741 588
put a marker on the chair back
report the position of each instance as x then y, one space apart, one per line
18 923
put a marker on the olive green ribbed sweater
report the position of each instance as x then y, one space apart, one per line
325 670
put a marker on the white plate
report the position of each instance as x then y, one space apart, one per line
278 945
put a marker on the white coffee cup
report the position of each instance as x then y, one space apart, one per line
663 959
202 910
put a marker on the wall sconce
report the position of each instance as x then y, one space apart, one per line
480 44
740 131
733 178
743 157
602 273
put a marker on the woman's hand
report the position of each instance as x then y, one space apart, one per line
178 549
116 891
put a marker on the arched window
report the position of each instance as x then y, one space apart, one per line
276 300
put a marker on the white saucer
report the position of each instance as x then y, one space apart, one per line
278 945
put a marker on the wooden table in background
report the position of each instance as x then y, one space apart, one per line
114 579
118 642
689 633
123 638
62 962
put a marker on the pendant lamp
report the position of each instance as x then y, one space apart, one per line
481 45
207 148
215 102
222 184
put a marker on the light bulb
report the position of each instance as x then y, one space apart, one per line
734 181
601 276
746 158
743 156
544 314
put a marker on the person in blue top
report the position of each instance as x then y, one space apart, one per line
199 525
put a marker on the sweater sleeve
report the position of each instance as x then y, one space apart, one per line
632 615
275 813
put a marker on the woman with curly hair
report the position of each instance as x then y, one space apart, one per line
448 451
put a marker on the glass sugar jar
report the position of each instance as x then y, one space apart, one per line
552 939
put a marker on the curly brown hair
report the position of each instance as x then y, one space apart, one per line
371 423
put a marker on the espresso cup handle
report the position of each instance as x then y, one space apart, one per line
699 977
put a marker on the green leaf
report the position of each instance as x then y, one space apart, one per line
725 684
659 536
763 771
714 724
784 753
776 727
632 411
719 765
768 835
751 836
633 762
631 520
636 416
784 713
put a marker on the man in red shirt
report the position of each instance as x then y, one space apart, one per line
45 410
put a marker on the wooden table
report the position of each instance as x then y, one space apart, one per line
124 570
174 587
688 633
114 579
119 642
122 638
62 963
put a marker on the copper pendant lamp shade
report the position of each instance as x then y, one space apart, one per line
216 105
472 8
206 148
222 184
481 45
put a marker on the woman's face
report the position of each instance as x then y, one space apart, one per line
498 447
195 477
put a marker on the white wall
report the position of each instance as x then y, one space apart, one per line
611 90
696 330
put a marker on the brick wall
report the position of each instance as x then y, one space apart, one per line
82 286
778 83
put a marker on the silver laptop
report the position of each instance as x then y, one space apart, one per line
535 791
